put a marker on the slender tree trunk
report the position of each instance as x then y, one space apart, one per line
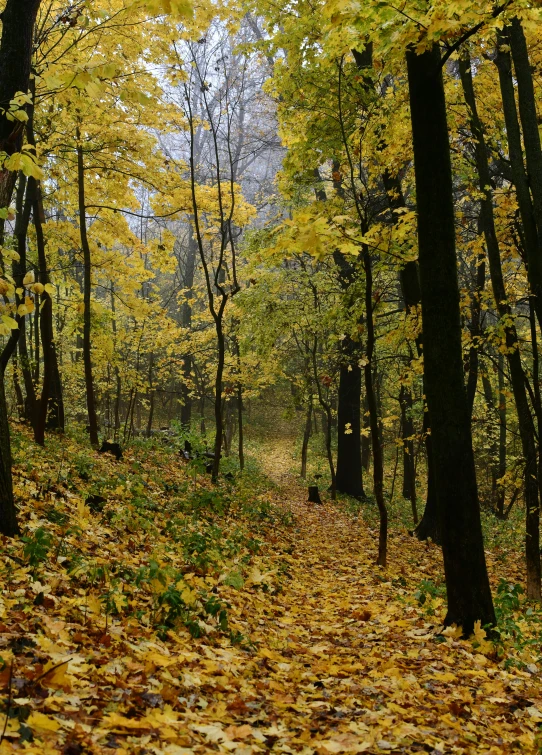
467 583
306 437
186 321
51 405
349 470
409 471
502 435
366 437
517 375
531 236
494 447
23 207
378 460
240 424
17 388
118 383
530 122
87 289
326 409
151 397
428 526
219 378
479 276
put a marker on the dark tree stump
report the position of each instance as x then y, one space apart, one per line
111 448
314 495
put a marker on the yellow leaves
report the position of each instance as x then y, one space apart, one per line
256 577
453 632
24 161
37 720
190 597
179 9
8 323
54 675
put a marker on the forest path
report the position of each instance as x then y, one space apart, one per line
330 653
347 662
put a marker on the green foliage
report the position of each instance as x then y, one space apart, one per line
37 546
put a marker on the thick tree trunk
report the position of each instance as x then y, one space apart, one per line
467 583
87 289
18 18
517 375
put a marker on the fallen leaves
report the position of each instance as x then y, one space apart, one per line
337 657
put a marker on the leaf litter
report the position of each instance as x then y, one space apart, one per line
262 627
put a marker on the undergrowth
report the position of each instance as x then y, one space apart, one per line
146 539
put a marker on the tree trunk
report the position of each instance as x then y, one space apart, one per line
349 470
22 220
366 437
467 583
428 526
186 321
479 279
306 437
502 435
531 236
378 461
151 397
517 375
87 289
218 411
407 430
529 118
18 18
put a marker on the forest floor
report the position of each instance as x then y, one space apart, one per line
171 618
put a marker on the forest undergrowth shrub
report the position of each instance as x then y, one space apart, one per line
158 548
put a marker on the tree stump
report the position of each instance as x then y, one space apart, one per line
314 495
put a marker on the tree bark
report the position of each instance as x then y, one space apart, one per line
87 289
467 583
517 375
531 235
378 460
349 475
186 321
407 432
18 18
306 437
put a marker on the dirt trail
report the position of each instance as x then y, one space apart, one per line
345 663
